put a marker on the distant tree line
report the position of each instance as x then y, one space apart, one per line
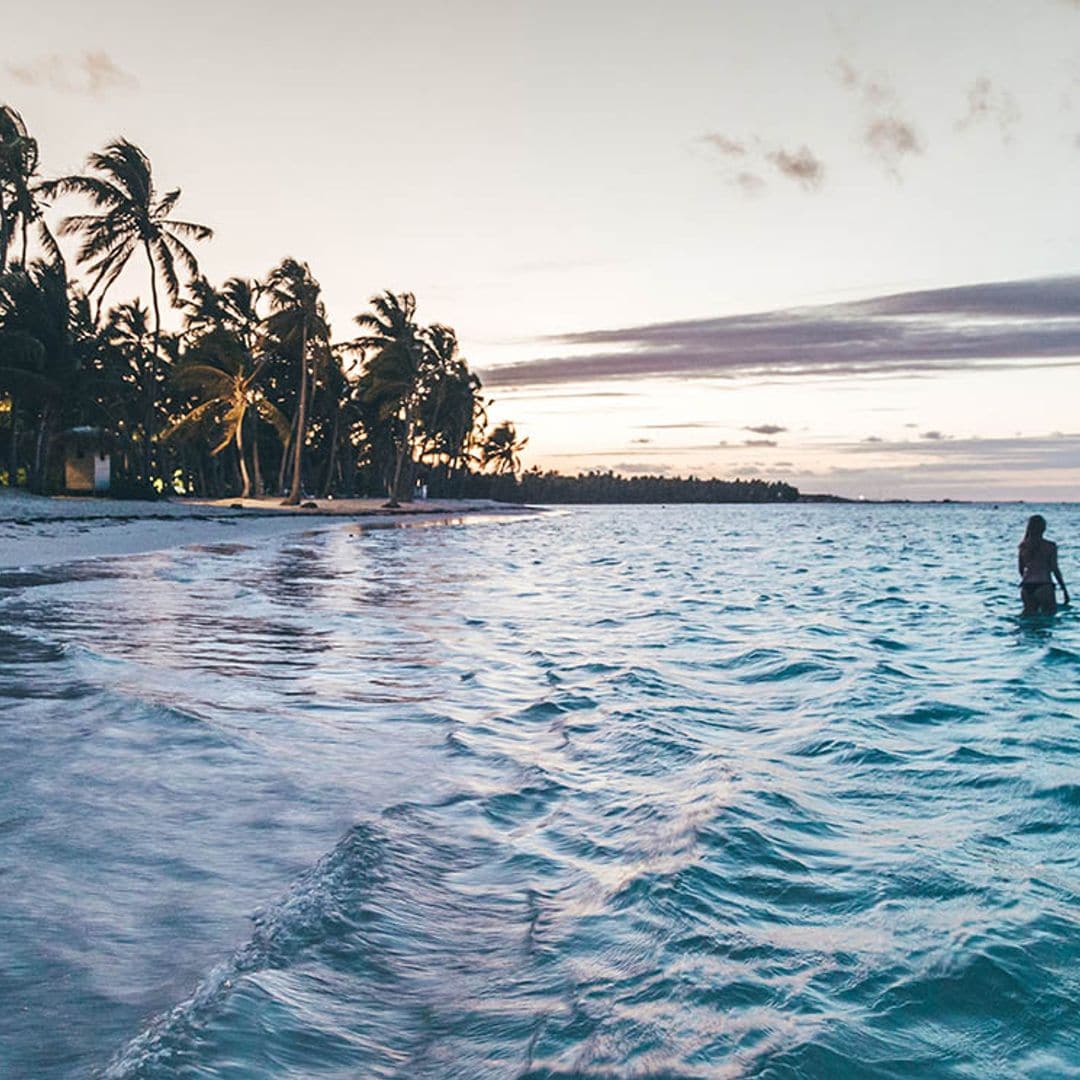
251 396
534 486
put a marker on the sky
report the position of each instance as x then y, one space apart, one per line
835 244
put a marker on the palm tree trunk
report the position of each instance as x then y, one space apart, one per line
13 444
151 389
37 480
245 491
255 456
406 446
284 463
333 452
25 226
301 425
5 234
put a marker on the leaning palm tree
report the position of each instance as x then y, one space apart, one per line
452 412
393 379
133 216
502 449
226 382
297 321
20 205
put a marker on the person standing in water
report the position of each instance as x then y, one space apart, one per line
1038 561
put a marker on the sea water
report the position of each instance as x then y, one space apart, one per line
733 791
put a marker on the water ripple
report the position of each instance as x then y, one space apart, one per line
707 792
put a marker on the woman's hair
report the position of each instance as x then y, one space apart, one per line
1033 535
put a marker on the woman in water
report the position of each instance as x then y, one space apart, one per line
1038 561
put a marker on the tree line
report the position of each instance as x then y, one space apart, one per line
251 396
598 486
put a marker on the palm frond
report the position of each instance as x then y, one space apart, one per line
274 417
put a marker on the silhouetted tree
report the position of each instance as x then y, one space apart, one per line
132 217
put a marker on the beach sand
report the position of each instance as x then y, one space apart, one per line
38 530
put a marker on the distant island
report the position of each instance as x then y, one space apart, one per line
535 486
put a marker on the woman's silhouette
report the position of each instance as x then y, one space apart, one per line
1038 561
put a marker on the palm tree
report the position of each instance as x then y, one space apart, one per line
393 378
502 448
35 308
233 311
19 189
132 217
22 358
297 321
452 410
120 372
221 371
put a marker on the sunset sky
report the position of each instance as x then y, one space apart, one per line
837 244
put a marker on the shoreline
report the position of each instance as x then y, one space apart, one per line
41 530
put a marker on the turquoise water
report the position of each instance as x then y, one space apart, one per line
685 792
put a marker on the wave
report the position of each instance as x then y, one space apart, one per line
323 903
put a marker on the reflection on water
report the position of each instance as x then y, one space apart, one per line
668 792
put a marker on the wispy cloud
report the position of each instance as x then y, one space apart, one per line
682 426
1024 467
1018 454
1004 323
891 138
724 145
759 442
987 103
800 165
640 468
886 133
765 429
933 436
92 73
747 159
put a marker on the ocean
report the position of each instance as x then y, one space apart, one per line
686 791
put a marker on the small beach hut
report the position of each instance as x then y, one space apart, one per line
87 461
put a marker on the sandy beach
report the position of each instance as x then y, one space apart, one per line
38 530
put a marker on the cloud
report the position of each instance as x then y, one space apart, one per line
765 429
92 73
646 451
873 439
682 426
891 138
641 442
752 184
759 442
932 436
801 166
986 104
1021 454
1022 467
885 132
1010 323
724 145
641 468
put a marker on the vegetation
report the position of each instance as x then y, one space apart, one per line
250 395
534 486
